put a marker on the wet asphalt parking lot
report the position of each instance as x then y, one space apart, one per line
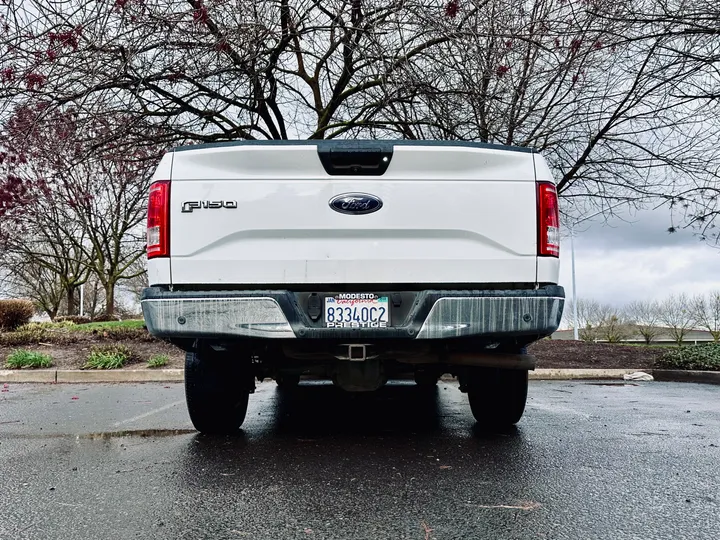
588 460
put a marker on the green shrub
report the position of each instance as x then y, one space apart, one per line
25 335
118 333
47 325
106 318
158 360
108 357
28 359
15 313
75 319
701 357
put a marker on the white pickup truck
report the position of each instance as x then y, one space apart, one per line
356 261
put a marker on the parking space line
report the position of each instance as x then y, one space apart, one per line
149 413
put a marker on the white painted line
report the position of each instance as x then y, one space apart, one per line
557 408
149 413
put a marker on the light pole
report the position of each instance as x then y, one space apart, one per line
576 335
571 228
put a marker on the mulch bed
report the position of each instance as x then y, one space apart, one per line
73 355
549 353
577 354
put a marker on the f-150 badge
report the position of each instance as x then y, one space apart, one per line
355 203
189 206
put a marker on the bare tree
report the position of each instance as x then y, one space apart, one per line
37 283
210 70
677 315
615 328
706 312
138 282
111 217
645 316
93 297
591 316
37 242
589 86
86 204
607 90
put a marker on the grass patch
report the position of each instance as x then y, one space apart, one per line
61 333
700 357
28 359
108 357
159 360
90 327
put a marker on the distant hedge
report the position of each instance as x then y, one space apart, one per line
15 313
76 319
105 318
700 357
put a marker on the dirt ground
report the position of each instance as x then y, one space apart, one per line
577 354
73 356
549 353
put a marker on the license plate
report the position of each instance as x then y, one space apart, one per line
357 310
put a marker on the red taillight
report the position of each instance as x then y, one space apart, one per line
548 220
158 221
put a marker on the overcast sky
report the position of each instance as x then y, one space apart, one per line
638 260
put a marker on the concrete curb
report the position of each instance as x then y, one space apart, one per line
177 375
579 374
572 374
29 376
91 376
677 375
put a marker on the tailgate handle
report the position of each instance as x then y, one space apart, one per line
353 159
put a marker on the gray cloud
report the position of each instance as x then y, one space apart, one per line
642 230
639 260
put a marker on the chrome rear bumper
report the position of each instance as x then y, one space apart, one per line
279 314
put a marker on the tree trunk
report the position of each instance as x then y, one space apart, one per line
110 297
70 292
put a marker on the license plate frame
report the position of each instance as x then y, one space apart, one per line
356 310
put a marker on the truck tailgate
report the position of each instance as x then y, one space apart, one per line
450 214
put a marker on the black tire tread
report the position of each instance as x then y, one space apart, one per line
215 392
497 396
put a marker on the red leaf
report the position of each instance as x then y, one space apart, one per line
64 39
74 398
7 74
452 8
200 13
502 70
222 46
34 80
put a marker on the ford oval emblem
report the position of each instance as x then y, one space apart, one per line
355 203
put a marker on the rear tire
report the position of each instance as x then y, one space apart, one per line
426 379
497 396
287 382
217 388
